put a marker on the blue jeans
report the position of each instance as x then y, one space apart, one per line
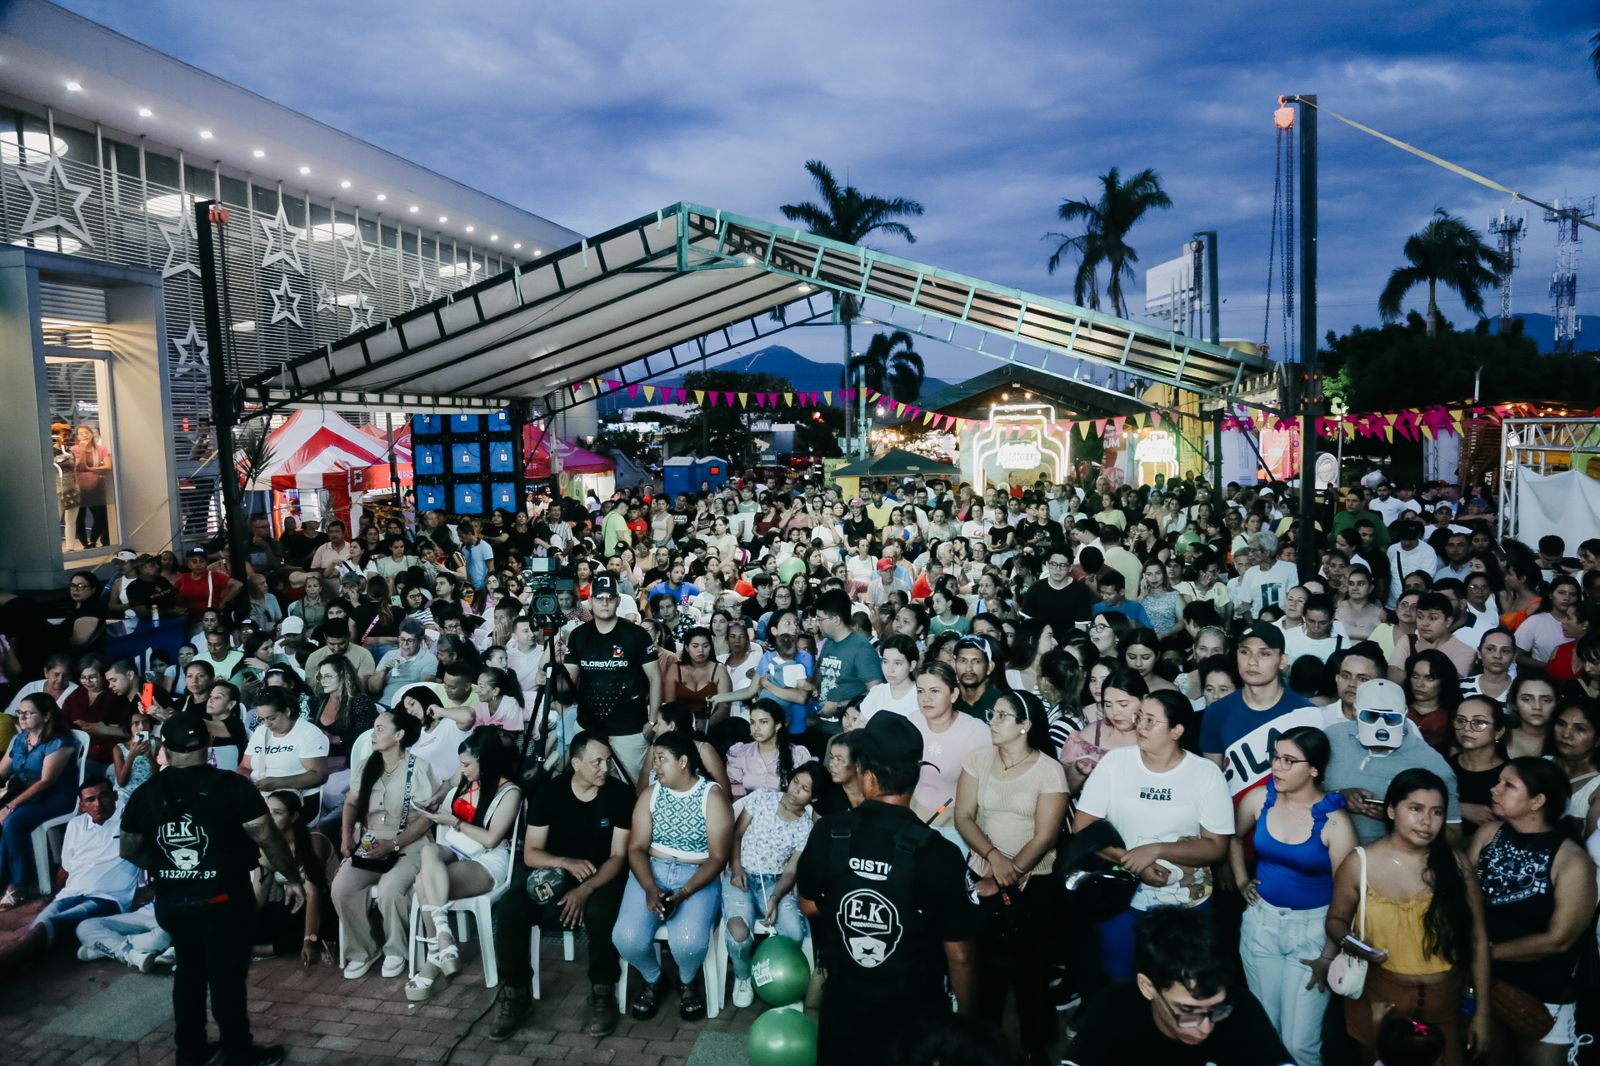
16 837
1272 943
64 913
750 904
1116 941
688 930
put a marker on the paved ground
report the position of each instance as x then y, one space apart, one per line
68 1012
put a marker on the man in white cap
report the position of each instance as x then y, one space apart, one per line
1368 752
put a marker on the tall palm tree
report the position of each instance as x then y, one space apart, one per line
849 216
890 360
1104 240
1594 53
1446 252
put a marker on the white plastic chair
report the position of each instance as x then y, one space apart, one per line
714 971
480 908
43 868
569 951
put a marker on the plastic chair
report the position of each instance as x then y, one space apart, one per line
480 908
569 951
714 972
43 868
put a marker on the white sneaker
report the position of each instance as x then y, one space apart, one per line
168 957
744 993
87 954
393 966
357 969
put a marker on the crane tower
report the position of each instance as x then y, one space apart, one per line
1508 233
1564 281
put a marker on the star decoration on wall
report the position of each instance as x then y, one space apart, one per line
179 234
360 313
282 241
285 303
49 190
193 353
358 257
327 300
419 291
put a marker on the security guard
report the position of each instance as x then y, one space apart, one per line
887 900
196 829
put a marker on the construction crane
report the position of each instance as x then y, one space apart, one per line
1508 233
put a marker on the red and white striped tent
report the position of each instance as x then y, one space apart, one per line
317 452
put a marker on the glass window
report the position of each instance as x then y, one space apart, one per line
84 439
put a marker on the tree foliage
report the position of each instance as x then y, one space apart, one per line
1445 252
890 364
725 431
1104 240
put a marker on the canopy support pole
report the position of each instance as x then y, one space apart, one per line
1310 390
224 411
518 414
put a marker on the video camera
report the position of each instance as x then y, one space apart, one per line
547 579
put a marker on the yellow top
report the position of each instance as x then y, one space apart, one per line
1395 926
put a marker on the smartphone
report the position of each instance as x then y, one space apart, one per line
669 905
1361 948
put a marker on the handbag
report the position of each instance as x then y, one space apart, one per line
1520 1011
1347 973
384 864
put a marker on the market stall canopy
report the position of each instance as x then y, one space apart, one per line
312 446
678 286
574 460
897 462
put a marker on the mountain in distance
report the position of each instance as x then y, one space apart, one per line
1542 329
806 375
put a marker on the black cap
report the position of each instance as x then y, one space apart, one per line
185 732
196 551
889 738
1266 632
603 585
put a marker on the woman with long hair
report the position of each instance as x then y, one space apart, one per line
344 709
949 613
1173 812
1576 749
1412 896
280 929
381 843
1479 726
1359 613
1120 696
1011 799
1061 686
1162 604
948 737
1107 632
1034 640
441 736
1533 711
38 781
768 760
681 837
1433 691
679 718
1544 629
1299 835
1141 653
1497 657
1523 592
1538 904
472 856
697 676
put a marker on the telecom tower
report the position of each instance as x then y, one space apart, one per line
1564 282
1508 232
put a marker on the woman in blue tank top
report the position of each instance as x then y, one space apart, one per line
1299 835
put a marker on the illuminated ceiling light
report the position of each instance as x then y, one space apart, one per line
455 270
35 144
345 184
382 196
51 243
443 219
413 209
247 326
803 287
351 299
327 231
305 170
206 135
494 236
749 260
471 228
170 205
258 153
145 112
516 246
74 87
538 251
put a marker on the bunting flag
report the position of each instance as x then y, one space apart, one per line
828 397
649 393
700 397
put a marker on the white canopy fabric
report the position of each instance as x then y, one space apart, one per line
1565 504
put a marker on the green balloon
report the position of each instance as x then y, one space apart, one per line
780 972
783 1037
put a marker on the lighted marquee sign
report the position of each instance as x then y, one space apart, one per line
1158 447
1024 456
1019 438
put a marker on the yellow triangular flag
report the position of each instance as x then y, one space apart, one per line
927 418
1388 431
827 398
788 399
649 393
744 399
700 397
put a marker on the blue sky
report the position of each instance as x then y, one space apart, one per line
989 114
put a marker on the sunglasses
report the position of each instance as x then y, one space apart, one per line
1392 718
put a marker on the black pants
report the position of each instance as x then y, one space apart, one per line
1018 959
854 1028
212 942
513 924
100 534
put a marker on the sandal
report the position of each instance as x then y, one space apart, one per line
448 960
13 898
420 989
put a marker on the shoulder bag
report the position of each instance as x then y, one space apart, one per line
1347 974
383 864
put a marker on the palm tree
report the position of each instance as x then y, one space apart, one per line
848 216
891 360
1446 252
1594 53
1104 240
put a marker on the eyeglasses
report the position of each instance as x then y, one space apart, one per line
1194 1018
1099 624
1475 725
993 715
1391 718
78 585
1288 762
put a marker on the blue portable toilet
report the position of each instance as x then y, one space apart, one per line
712 470
678 475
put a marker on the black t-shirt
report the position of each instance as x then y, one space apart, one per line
156 592
578 829
1061 608
1118 1027
613 691
193 819
883 931
857 528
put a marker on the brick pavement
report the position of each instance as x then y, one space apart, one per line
323 1018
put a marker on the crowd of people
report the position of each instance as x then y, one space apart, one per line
1263 809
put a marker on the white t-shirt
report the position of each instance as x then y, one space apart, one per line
284 756
36 686
881 699
440 747
1267 588
93 860
1403 562
1149 808
943 754
1296 643
741 674
1540 636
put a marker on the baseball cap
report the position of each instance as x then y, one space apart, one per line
603 585
980 641
885 564
186 732
1380 694
291 625
1268 633
890 739
192 552
125 556
350 580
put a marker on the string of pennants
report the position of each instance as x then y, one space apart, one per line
715 397
1411 424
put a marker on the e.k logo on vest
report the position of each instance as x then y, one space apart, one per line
870 925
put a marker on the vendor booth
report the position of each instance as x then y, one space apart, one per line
316 462
579 470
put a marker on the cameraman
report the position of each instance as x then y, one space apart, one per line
614 664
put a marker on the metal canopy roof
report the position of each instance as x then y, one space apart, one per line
687 282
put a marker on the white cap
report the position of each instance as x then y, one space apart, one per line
291 625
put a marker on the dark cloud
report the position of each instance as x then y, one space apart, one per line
989 114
